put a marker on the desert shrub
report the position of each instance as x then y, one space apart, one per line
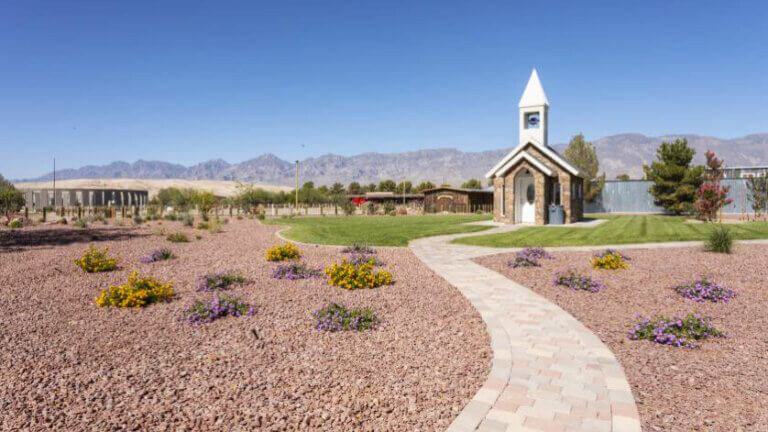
356 276
206 217
62 221
239 217
370 208
358 259
156 255
677 332
295 271
388 207
137 292
336 317
138 220
348 207
189 220
198 236
171 217
203 225
478 211
704 290
529 257
219 306
80 223
610 259
178 238
15 224
288 251
96 261
720 240
578 282
260 216
219 281
359 248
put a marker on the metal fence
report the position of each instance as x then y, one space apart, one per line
633 197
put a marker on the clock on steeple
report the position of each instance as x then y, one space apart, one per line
534 110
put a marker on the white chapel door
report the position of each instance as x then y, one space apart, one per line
525 197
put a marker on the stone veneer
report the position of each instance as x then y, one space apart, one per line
572 205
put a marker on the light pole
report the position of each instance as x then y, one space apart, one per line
297 186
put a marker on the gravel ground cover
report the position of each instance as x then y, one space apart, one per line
66 364
722 386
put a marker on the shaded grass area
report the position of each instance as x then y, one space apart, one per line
375 230
617 230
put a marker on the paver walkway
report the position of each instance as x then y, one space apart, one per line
549 372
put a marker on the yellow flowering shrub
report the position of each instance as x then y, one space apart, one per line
610 260
284 252
352 276
96 261
138 292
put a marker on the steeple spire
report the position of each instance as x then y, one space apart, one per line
534 93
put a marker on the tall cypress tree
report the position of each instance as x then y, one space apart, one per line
675 181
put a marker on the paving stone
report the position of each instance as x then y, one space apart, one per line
548 372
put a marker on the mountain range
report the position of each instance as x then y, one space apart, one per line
618 154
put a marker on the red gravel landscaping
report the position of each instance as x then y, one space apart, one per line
66 364
722 386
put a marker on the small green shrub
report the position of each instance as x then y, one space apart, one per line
388 207
189 220
63 221
239 217
203 225
720 240
15 224
260 216
348 207
171 217
138 220
178 238
80 223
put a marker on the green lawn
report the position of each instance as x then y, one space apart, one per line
617 230
375 230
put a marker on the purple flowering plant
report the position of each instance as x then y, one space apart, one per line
676 332
578 282
219 281
703 289
529 257
336 317
295 271
156 255
358 248
219 306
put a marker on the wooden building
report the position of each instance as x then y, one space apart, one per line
457 200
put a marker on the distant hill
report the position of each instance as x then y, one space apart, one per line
618 154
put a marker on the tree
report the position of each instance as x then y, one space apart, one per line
11 199
424 186
583 156
370 188
622 177
179 199
404 187
354 188
387 186
675 181
757 187
204 200
711 196
472 184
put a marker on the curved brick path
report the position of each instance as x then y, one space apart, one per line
549 372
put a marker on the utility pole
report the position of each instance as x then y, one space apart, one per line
54 183
297 185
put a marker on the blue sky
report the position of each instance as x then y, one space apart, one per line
96 81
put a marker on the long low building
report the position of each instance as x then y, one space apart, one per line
37 198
